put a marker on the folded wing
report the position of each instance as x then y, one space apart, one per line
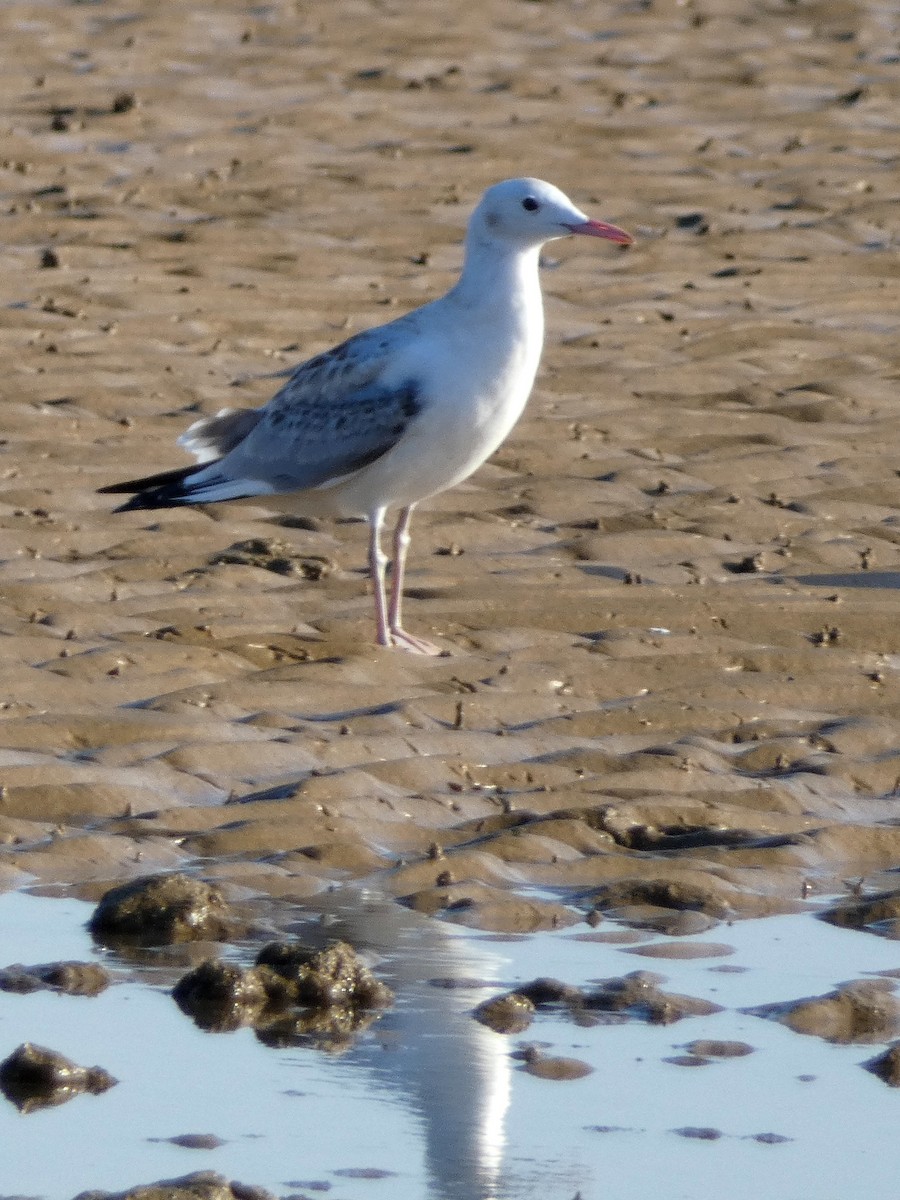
335 414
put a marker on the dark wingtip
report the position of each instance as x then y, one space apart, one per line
165 490
143 500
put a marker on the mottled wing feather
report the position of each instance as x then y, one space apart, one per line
214 437
334 416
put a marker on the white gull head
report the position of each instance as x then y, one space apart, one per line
526 213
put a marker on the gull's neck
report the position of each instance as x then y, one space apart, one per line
499 284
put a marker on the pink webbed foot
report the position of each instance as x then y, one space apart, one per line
415 645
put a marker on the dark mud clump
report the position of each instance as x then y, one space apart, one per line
70 978
671 922
33 1077
193 1141
703 1051
199 1185
712 897
639 995
159 910
325 978
636 995
548 1066
338 991
879 913
276 555
710 1048
512 1013
544 990
221 997
860 1012
886 1065
680 950
687 1060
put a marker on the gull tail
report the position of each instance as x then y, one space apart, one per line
184 485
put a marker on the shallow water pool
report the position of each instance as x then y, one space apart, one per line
430 1103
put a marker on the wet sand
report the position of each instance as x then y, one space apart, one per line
669 601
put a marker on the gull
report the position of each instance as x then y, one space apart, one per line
398 413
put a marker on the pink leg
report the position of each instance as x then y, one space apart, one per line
398 566
398 570
377 564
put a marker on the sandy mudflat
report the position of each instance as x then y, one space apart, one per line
670 600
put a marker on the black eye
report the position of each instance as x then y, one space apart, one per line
530 204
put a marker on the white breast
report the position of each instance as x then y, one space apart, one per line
476 370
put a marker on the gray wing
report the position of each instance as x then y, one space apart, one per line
334 415
214 437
